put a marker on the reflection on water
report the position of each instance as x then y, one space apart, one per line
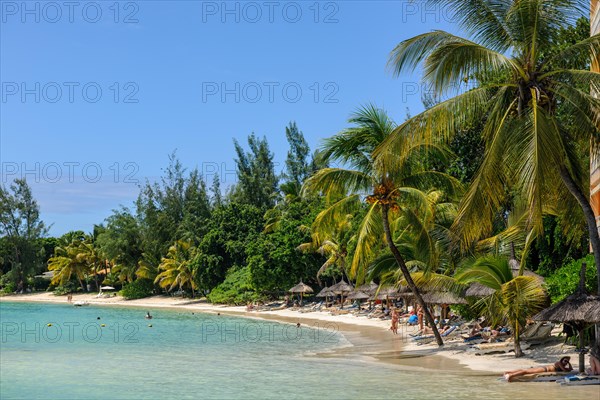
59 351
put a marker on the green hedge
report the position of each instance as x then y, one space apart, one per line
235 289
138 289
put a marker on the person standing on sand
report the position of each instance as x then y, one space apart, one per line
420 317
70 297
394 327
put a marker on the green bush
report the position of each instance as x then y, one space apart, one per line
564 281
235 289
138 289
38 283
69 287
8 288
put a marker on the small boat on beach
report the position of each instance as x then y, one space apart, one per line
80 303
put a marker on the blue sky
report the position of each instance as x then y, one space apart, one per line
95 96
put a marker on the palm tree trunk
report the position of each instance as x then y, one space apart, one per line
588 213
81 283
518 351
404 269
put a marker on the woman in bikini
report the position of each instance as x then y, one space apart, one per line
394 327
563 365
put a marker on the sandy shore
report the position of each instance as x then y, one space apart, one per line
371 338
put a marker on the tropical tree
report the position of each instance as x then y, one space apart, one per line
332 242
389 185
522 84
69 261
21 229
176 268
515 298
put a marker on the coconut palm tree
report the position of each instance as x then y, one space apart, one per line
176 268
514 300
68 262
521 85
331 241
387 187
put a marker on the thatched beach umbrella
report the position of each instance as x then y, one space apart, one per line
357 295
442 298
341 288
301 288
368 288
327 293
476 289
580 308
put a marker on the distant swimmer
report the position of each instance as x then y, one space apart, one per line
148 316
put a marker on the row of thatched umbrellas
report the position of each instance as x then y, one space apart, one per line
580 308
375 292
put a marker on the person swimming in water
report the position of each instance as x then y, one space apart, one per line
148 316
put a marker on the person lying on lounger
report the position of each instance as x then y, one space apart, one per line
428 331
563 365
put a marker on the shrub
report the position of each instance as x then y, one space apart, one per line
138 289
69 287
235 289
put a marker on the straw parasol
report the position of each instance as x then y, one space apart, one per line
301 288
341 288
579 307
368 288
325 292
476 289
442 298
358 295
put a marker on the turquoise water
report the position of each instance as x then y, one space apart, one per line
184 355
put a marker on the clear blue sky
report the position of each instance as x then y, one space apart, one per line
185 75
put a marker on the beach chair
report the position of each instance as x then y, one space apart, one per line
498 347
541 333
453 331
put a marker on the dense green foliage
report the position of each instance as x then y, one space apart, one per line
138 289
565 280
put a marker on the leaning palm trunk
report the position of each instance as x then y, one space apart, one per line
406 273
588 213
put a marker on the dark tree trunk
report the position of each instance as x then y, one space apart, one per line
406 273
588 213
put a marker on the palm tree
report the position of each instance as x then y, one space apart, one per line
176 268
522 87
331 241
514 298
66 262
388 186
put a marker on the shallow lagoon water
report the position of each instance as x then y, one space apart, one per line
197 355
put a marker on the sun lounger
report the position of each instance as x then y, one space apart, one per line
539 334
543 377
498 347
429 338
